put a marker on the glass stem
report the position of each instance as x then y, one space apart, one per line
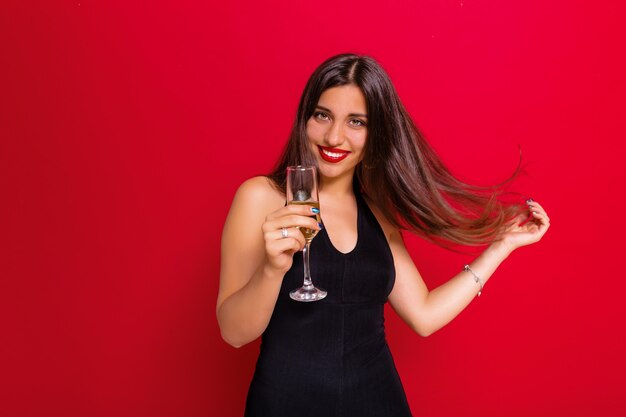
307 272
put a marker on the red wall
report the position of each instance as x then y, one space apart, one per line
126 128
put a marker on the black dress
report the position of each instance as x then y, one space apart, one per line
330 358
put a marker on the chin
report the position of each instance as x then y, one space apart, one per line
330 172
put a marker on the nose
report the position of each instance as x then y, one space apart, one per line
334 135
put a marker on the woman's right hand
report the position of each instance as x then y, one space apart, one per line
279 249
255 257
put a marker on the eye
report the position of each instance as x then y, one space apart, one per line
320 115
357 123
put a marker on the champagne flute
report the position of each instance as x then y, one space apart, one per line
302 190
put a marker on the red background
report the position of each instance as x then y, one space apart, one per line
126 128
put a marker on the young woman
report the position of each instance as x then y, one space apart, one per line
377 177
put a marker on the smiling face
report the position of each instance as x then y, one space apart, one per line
337 131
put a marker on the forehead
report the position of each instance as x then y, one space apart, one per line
347 98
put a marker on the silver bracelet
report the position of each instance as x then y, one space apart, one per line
467 268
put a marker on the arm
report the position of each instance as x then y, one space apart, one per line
255 257
428 311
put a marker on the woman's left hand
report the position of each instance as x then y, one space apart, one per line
526 229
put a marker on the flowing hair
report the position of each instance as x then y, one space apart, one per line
400 172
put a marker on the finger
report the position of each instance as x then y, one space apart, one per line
535 206
291 221
293 209
541 211
542 228
519 219
538 208
290 232
286 245
282 233
540 218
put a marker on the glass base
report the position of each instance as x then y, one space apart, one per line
307 294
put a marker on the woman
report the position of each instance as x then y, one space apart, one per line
377 176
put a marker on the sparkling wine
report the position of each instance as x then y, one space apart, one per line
309 234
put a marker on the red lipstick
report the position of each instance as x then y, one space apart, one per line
332 155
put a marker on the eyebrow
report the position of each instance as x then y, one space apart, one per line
351 114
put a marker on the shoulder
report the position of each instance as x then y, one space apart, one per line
260 188
258 195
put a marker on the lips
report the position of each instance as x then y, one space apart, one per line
332 155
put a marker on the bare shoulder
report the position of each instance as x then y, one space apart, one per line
254 200
258 193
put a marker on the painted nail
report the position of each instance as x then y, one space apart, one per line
530 200
315 210
320 225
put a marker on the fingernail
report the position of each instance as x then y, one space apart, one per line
315 210
530 200
320 225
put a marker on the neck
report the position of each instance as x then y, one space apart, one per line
339 187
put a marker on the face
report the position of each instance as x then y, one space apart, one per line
337 131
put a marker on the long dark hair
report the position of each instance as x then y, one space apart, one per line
400 172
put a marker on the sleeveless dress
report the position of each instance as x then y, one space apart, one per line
330 358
